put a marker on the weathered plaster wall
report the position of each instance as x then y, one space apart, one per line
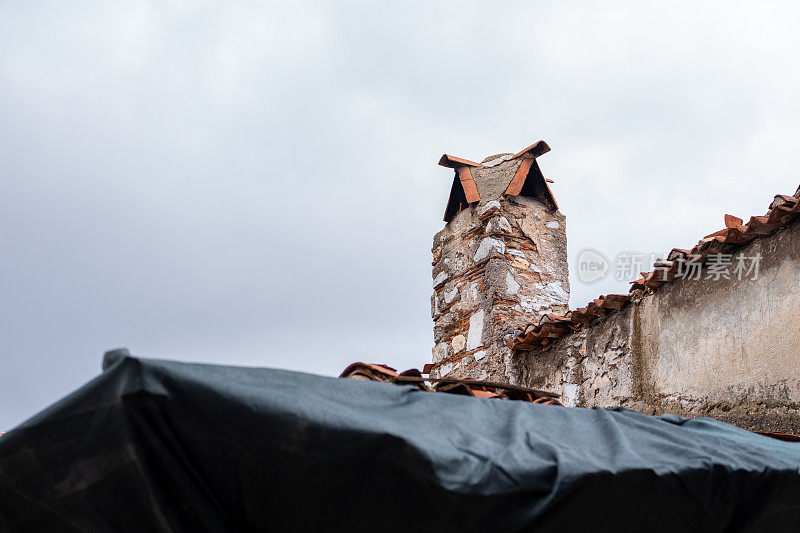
728 349
497 266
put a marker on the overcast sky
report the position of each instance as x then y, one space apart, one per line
258 185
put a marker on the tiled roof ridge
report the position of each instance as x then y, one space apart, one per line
782 210
463 386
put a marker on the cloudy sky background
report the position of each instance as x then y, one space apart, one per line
257 184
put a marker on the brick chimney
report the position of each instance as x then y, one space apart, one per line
499 263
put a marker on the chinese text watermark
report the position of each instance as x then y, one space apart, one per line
593 266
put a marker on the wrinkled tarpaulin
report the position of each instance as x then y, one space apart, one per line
163 446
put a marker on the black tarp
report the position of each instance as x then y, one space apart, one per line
163 446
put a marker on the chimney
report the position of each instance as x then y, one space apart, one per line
499 263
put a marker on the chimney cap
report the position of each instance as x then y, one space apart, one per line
497 176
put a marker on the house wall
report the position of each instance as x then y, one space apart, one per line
728 349
497 265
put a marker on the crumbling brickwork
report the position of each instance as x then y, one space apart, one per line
497 265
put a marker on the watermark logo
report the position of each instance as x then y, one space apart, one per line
592 265
720 266
629 265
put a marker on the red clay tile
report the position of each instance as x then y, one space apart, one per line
455 162
535 150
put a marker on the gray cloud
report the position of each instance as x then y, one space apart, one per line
258 184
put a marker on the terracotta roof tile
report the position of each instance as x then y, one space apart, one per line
789 437
470 189
455 162
515 187
535 150
466 386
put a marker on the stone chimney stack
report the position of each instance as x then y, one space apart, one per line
499 263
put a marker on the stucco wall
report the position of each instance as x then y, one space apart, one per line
729 349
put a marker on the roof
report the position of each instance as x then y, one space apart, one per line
783 210
497 176
474 388
466 387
